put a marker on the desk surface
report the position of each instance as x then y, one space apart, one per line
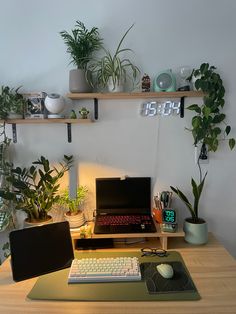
212 268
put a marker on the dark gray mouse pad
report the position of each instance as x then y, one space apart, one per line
180 282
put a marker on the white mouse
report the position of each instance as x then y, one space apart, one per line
165 270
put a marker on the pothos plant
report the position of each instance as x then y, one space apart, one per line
209 128
208 125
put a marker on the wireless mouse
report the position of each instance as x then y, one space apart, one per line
165 270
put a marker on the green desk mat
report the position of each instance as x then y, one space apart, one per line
54 286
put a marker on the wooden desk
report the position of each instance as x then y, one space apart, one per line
212 268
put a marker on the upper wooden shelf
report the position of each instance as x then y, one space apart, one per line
47 121
135 95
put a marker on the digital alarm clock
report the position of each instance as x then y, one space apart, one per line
164 82
169 220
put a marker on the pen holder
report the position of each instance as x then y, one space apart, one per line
157 213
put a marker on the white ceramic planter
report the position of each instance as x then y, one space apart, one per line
195 233
13 115
75 221
28 224
117 88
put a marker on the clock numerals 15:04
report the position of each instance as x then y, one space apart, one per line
153 108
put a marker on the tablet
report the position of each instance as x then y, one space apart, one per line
40 250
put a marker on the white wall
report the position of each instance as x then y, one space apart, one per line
167 34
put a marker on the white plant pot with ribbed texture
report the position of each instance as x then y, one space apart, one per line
195 233
75 221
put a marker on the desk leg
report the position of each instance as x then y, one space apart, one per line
164 242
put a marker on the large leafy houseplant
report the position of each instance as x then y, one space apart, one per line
113 67
81 44
35 189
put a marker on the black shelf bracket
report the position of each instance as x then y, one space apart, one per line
95 108
14 133
182 107
69 136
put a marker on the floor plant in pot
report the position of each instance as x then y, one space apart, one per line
81 44
113 70
74 214
35 189
209 130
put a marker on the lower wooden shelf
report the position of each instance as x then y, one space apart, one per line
162 236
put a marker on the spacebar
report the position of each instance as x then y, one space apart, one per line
103 279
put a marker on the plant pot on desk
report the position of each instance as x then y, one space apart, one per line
195 233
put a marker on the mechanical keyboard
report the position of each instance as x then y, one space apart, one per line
104 270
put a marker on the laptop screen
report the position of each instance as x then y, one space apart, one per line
128 196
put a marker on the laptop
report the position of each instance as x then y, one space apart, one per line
39 250
123 205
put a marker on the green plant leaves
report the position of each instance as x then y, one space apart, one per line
231 143
218 118
81 44
195 108
207 124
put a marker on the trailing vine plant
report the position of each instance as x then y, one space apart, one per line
209 128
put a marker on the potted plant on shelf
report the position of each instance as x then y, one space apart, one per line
81 44
112 70
209 129
34 190
74 215
12 103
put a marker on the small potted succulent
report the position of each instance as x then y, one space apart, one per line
113 70
81 44
35 190
74 215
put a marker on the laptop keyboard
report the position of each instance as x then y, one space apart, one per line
124 224
124 220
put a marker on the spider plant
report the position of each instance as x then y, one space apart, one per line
113 67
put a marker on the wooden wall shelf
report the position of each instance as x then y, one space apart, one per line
68 122
46 121
134 95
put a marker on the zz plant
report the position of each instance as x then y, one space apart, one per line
35 189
